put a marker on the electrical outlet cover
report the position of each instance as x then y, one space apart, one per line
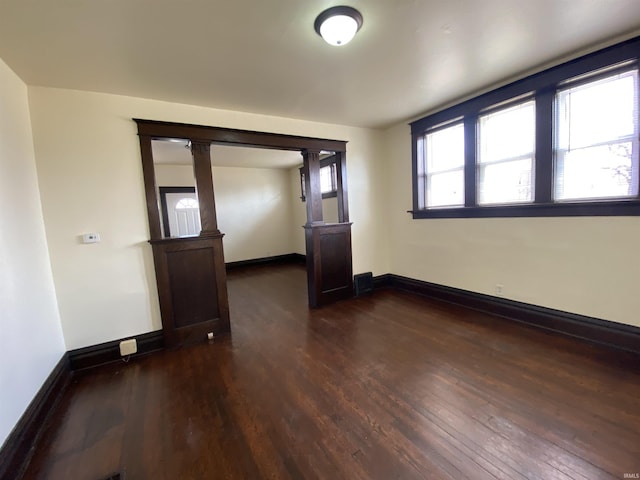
128 347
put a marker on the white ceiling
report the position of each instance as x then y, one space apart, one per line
411 56
175 153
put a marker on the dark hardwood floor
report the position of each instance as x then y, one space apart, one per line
388 386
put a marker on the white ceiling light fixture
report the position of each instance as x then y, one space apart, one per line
338 25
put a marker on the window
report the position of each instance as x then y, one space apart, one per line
444 154
328 180
562 142
506 155
596 139
185 203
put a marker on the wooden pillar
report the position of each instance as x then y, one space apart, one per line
313 191
201 152
148 172
341 187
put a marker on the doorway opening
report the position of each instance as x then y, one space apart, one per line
173 222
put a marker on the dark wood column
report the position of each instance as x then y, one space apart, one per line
190 271
148 172
313 191
329 270
341 176
201 152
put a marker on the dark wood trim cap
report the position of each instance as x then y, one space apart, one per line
193 238
324 226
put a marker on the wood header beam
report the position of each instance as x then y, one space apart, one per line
230 136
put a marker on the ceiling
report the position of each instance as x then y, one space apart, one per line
410 57
175 153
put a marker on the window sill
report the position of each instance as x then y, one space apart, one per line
621 208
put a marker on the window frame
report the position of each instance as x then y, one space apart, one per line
579 82
516 102
543 87
426 175
330 161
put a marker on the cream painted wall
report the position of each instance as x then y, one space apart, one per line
90 176
253 205
168 175
31 341
330 210
254 211
581 265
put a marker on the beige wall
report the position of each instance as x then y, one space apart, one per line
254 208
31 341
90 177
168 175
254 211
330 210
580 265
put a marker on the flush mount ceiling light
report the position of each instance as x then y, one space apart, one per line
338 25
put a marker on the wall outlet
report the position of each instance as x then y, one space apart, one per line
499 289
128 347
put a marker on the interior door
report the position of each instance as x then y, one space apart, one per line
183 214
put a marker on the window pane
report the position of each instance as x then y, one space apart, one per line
186 203
326 179
596 139
505 182
597 112
508 133
445 149
445 189
444 152
596 172
506 141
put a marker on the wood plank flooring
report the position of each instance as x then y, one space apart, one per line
388 386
